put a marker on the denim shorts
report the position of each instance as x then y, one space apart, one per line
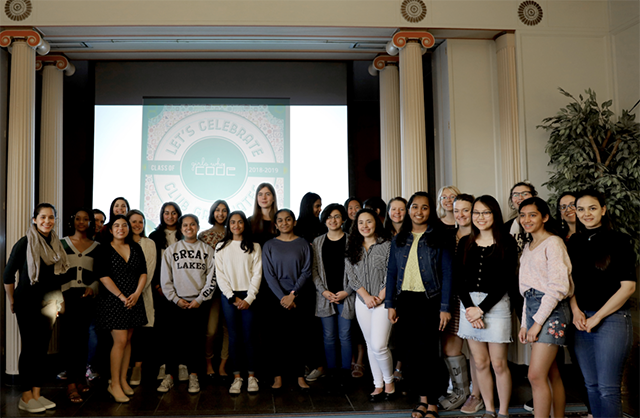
497 321
554 330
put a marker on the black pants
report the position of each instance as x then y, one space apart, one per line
35 332
419 342
75 323
186 340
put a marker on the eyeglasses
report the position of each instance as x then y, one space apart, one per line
524 195
336 217
484 214
452 197
564 208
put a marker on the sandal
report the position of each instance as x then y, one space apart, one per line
434 414
358 371
83 388
74 396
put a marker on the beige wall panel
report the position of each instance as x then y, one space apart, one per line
576 14
473 14
622 12
626 52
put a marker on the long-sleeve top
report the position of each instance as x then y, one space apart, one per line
237 270
162 239
286 265
486 270
80 273
371 271
595 286
149 250
324 308
188 272
546 268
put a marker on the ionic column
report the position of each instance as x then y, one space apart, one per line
412 127
50 189
390 148
20 155
508 111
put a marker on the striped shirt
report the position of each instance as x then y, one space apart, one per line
371 271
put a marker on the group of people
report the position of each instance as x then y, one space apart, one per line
405 279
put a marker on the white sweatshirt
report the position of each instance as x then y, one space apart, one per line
237 270
188 272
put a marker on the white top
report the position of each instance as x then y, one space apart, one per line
238 271
149 251
188 272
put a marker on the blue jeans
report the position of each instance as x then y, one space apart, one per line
601 355
330 325
240 326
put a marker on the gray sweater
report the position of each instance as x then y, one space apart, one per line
324 308
188 272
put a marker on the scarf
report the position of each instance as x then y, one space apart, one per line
37 248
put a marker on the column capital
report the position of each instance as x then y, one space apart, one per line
401 38
60 61
382 61
32 37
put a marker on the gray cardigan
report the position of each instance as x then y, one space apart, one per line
324 308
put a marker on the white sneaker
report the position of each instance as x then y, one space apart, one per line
166 384
194 386
252 386
236 386
46 403
161 372
183 373
314 375
32 406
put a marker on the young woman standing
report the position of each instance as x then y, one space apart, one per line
396 211
165 234
140 345
418 296
486 263
79 286
334 298
239 273
286 261
367 256
39 257
217 218
265 207
352 205
567 214
446 196
188 282
122 270
308 225
605 277
545 283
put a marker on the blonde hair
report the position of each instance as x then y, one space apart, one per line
440 210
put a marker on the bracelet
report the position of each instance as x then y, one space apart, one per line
119 295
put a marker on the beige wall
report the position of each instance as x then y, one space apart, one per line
625 51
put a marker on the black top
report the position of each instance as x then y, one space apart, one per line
25 292
309 229
594 286
333 261
265 235
486 271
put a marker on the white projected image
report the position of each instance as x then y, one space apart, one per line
195 158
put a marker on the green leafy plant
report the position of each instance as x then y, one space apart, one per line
589 149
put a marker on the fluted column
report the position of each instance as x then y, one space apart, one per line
20 157
508 108
50 189
412 125
390 148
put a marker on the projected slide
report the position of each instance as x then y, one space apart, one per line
196 151
194 155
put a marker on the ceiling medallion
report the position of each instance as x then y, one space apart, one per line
17 9
530 12
413 10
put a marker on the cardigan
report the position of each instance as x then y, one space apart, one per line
324 308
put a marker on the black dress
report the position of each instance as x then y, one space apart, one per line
112 313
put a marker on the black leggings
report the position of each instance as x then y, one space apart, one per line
74 327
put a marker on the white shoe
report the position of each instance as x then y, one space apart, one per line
236 386
46 403
161 372
136 376
314 375
194 386
252 386
32 406
183 373
167 383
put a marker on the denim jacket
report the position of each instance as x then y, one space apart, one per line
435 264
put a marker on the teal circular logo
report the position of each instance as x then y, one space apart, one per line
214 168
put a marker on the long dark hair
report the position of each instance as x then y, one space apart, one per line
354 249
257 221
407 224
376 203
41 206
496 228
212 211
92 222
604 259
247 242
160 237
563 225
346 227
388 223
109 235
113 203
308 226
549 226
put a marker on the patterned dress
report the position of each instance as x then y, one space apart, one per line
112 313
